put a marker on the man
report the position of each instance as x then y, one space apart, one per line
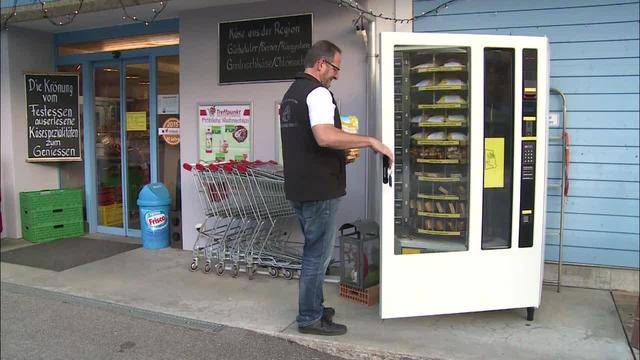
315 178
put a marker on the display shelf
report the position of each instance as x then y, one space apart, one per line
438 197
436 69
442 106
436 245
440 215
439 161
440 179
440 87
438 232
442 142
443 124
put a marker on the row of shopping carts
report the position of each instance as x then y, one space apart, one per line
247 219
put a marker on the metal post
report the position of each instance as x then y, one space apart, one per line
563 198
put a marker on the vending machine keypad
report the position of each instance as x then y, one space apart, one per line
529 124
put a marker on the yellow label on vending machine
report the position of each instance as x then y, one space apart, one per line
493 163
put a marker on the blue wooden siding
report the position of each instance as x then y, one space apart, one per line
595 61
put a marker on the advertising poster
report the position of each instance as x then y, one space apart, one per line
225 132
168 104
136 120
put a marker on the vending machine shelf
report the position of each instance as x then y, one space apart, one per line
440 87
440 161
438 197
440 69
436 245
441 106
442 124
441 179
439 215
442 142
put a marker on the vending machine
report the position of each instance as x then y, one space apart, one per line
462 225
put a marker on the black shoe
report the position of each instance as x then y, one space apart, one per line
328 313
322 327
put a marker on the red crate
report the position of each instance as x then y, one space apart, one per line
109 195
369 296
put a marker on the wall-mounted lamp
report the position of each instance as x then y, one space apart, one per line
360 26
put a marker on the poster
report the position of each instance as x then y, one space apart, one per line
168 104
224 132
136 120
493 163
170 131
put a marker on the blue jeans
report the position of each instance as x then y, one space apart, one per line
318 223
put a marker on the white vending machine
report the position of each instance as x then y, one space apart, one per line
462 225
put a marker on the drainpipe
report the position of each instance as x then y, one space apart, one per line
367 28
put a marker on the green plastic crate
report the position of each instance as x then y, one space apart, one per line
50 232
50 199
51 216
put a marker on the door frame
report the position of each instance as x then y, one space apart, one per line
89 62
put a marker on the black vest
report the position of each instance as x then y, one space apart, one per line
311 172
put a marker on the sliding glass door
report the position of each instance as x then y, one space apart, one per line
122 148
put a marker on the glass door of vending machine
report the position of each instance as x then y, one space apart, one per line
462 227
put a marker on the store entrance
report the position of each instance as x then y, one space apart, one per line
122 148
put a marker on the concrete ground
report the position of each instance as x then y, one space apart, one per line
64 327
627 305
573 324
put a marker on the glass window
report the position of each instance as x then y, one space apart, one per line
168 105
108 146
431 89
137 132
498 148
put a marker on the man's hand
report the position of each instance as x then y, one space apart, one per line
379 147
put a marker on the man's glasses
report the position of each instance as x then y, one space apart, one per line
335 67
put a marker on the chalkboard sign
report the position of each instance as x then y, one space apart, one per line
267 49
53 131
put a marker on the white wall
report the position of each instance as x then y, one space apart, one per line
22 51
5 113
199 78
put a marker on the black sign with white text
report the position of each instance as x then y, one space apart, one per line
267 49
53 130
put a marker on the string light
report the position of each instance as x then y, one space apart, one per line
354 5
146 22
12 14
67 19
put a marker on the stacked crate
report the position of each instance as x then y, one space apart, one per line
110 206
51 214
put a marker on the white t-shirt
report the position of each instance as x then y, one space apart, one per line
321 108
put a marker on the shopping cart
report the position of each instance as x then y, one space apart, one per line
247 219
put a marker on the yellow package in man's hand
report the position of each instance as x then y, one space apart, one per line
350 125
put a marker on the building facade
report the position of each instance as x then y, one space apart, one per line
594 49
